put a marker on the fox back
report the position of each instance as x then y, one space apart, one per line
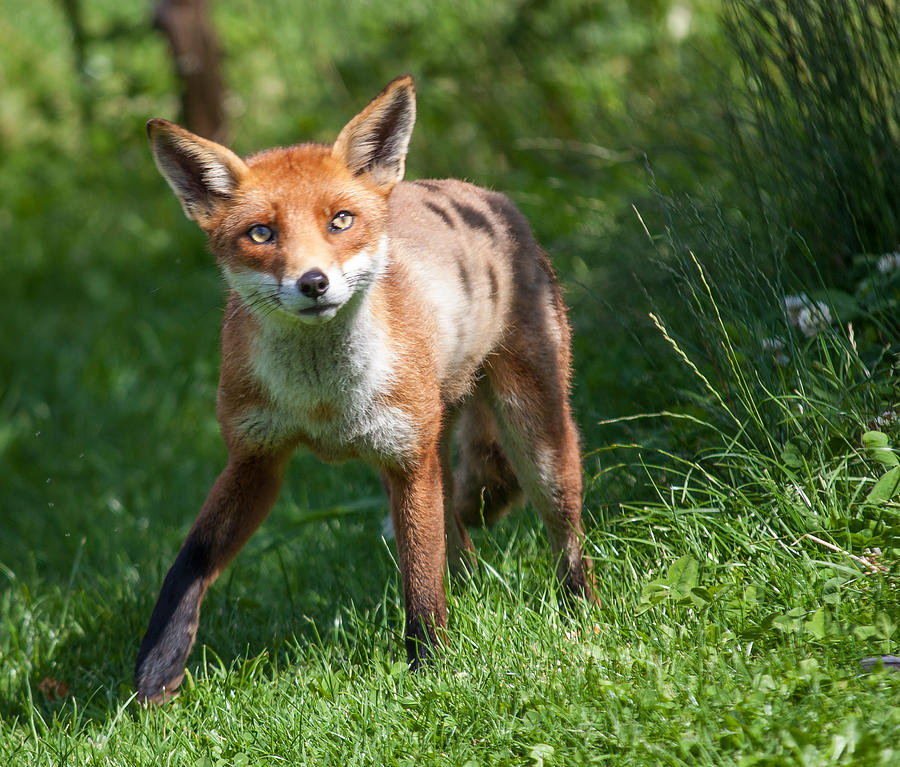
368 316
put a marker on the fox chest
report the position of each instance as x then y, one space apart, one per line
328 395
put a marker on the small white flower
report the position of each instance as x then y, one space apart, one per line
807 315
813 318
889 262
887 418
796 301
793 305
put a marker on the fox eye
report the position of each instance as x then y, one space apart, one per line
260 234
341 222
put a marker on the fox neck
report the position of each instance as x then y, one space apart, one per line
339 337
346 360
325 385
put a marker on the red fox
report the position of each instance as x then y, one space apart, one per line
369 317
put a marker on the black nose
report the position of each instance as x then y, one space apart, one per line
313 284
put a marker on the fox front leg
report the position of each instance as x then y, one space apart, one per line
417 512
239 501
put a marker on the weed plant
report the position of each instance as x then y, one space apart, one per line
819 122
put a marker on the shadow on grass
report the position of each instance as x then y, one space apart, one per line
285 594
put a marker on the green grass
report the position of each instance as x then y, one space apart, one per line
803 64
688 681
743 538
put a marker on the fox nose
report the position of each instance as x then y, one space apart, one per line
313 283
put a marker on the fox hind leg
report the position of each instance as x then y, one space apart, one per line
485 485
529 398
460 551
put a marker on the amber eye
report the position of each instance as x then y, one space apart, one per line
341 222
260 234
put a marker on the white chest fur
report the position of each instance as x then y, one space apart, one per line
326 384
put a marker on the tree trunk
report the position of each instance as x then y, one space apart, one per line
75 20
195 50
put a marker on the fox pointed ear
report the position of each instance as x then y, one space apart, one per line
376 140
202 173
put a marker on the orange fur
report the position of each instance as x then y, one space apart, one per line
366 316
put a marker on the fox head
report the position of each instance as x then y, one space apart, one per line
299 231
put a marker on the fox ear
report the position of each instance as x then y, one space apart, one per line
376 140
202 174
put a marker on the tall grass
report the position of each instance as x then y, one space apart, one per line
782 451
819 135
795 287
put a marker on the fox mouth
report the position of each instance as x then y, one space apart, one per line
315 311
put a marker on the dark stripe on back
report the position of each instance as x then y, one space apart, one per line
464 277
439 211
505 211
492 276
432 186
474 218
